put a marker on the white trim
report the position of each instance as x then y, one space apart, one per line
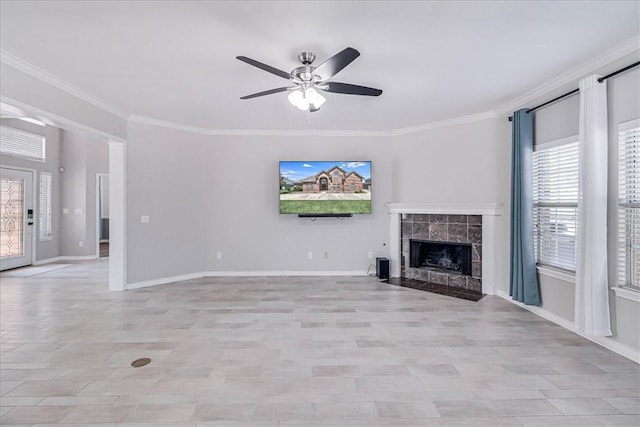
489 259
628 125
329 133
52 119
65 258
296 273
262 273
629 294
163 280
608 343
572 76
444 209
456 121
395 234
44 76
98 212
556 143
556 274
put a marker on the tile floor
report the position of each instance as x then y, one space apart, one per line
293 351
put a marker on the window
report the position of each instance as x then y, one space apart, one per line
555 203
45 206
336 174
629 205
19 143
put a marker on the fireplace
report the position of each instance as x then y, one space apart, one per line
442 249
450 257
473 224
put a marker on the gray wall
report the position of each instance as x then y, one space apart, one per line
82 158
560 120
209 194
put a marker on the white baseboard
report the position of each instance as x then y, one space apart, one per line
163 280
65 258
191 276
267 273
606 342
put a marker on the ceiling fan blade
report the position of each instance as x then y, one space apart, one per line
267 92
349 89
265 67
337 62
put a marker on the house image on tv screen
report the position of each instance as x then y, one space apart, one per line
335 180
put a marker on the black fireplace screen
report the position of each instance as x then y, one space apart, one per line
447 256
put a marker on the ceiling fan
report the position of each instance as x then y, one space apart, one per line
307 79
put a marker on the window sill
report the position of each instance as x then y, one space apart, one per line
556 274
626 293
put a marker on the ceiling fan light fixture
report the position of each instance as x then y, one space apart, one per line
296 98
310 99
314 98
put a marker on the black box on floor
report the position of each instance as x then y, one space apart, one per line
382 268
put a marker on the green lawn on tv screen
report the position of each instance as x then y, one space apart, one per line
325 206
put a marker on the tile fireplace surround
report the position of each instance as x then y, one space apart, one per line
404 216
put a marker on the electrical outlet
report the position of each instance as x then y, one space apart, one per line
81 243
144 219
65 211
219 255
326 255
310 255
370 255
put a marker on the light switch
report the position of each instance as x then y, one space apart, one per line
65 211
144 219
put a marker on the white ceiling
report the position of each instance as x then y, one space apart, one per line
435 61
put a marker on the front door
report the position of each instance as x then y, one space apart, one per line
324 184
16 218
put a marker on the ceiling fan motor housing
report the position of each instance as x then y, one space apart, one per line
306 57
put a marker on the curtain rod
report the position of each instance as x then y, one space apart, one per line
600 80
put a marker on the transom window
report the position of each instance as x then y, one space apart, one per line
23 144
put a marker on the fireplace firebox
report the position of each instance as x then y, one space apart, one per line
450 257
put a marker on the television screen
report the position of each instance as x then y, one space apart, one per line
325 188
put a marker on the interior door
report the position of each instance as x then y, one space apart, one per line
16 218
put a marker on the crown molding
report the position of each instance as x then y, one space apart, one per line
46 77
52 119
444 123
332 133
573 75
251 132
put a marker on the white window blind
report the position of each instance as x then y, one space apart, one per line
20 143
629 206
45 206
555 204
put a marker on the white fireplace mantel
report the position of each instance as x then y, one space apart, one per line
489 212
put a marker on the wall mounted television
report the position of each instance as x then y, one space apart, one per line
325 188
